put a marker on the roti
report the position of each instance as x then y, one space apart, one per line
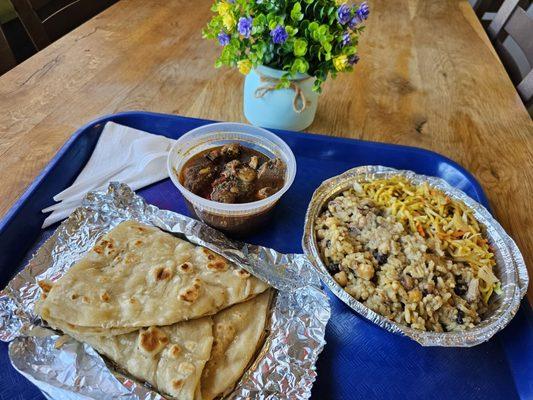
237 332
137 276
85 330
169 358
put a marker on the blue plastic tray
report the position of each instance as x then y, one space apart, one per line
360 359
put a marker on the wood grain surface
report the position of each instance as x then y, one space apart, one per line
429 77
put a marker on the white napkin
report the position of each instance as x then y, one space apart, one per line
122 154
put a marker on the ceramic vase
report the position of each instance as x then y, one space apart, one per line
290 108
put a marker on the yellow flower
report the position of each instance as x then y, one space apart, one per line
340 62
223 8
244 66
229 21
340 2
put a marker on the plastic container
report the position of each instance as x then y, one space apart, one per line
234 218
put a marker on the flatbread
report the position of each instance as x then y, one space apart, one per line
170 358
85 330
137 276
237 331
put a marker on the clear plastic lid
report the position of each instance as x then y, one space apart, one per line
219 134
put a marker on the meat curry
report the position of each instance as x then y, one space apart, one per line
233 173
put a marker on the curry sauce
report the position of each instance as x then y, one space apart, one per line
233 174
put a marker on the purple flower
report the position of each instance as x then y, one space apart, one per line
231 1
346 39
344 14
223 38
353 59
354 21
245 26
279 35
363 11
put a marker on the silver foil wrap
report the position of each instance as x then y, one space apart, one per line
284 367
510 268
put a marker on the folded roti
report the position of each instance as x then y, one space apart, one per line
170 358
137 276
58 324
238 331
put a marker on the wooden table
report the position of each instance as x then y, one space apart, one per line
429 77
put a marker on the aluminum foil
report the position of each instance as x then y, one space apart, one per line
510 268
66 369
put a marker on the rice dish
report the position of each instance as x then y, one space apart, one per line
409 253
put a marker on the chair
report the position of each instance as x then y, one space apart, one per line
485 6
513 21
48 20
7 60
486 10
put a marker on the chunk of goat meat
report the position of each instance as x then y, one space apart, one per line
225 191
272 170
254 162
246 174
214 155
231 168
197 178
265 192
231 151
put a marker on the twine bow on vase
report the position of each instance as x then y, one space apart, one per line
299 102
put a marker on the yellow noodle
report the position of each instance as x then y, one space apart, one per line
431 213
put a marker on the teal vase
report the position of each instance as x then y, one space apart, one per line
292 108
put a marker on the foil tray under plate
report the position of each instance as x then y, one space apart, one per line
510 267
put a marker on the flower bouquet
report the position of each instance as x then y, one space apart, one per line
287 49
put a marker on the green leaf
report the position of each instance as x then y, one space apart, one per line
284 81
291 30
287 47
299 65
316 4
300 47
327 46
322 12
296 12
259 24
317 86
314 29
324 55
268 56
350 50
274 20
